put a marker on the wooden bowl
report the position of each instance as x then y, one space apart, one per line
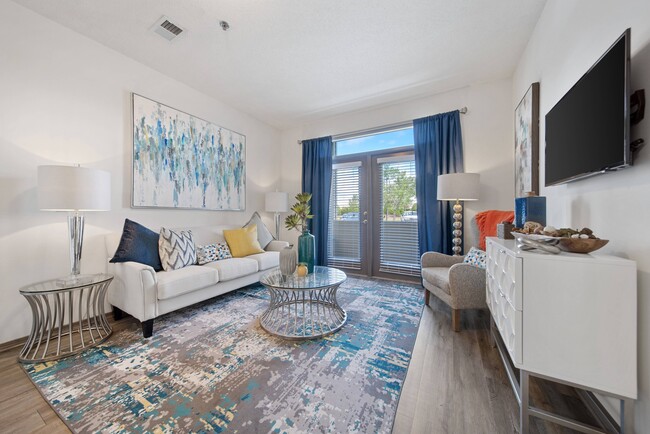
581 245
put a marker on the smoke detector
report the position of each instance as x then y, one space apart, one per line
166 28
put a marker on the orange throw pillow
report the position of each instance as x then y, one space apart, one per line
487 222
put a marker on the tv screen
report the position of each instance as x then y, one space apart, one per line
587 132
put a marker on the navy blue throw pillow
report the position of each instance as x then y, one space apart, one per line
138 244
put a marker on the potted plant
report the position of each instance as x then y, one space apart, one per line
298 221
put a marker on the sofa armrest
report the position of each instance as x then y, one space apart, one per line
467 286
435 259
134 289
276 246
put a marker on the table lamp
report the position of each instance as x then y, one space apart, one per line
458 186
74 189
277 202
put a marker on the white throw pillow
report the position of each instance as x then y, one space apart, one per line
176 249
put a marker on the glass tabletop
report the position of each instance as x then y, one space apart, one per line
321 277
66 284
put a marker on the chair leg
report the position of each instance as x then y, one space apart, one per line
427 296
147 328
455 319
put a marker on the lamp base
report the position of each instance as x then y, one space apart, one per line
457 232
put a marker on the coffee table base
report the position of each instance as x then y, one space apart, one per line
303 314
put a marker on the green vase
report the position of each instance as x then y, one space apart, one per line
306 247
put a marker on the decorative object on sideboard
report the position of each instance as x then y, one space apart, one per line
504 229
288 260
276 202
74 189
181 161
527 143
457 187
530 208
298 220
552 240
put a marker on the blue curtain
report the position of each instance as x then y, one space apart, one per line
438 151
317 180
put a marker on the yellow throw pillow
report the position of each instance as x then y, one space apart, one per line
243 242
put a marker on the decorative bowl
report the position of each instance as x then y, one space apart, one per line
581 245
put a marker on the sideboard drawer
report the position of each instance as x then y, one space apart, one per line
507 320
506 270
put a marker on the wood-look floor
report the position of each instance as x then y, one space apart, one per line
455 384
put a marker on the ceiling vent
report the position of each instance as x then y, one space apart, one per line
165 28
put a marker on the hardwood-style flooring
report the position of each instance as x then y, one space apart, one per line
455 384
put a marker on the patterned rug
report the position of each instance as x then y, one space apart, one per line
211 368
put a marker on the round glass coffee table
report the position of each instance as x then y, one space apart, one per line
303 307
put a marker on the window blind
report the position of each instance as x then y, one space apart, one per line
344 243
398 233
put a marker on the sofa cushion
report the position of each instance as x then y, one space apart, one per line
176 282
264 236
233 268
212 252
138 244
243 242
266 260
176 249
438 276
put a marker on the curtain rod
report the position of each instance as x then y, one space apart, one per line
384 128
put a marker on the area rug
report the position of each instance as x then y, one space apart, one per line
211 368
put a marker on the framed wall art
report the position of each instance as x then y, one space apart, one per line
181 161
527 143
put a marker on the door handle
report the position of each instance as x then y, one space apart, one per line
365 221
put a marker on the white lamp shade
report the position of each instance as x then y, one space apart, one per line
73 188
458 186
277 201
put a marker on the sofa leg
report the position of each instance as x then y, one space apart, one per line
147 328
117 313
455 319
427 296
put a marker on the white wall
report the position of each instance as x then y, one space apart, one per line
66 99
568 39
487 138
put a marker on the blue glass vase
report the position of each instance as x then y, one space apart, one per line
306 248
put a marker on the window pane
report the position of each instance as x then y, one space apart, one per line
398 239
375 142
344 244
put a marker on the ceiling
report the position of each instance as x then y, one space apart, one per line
292 61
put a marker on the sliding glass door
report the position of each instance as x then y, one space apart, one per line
373 213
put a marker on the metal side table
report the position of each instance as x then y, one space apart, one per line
303 307
67 317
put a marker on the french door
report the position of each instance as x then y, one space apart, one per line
373 215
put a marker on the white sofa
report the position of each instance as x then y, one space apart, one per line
146 294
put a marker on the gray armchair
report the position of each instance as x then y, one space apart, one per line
459 285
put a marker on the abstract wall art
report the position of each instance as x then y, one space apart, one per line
181 161
527 143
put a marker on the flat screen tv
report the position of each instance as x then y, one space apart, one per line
587 131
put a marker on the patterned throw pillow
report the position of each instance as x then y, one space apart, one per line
176 249
212 252
475 257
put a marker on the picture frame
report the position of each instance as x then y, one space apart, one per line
181 161
527 143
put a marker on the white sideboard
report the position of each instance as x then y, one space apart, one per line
567 317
